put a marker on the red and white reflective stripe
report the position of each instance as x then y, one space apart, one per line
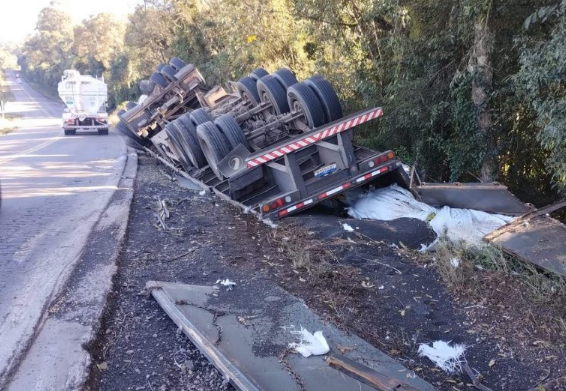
295 207
332 192
323 134
335 190
371 174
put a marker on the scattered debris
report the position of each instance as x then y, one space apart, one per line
227 283
192 250
246 320
367 284
535 237
474 378
162 213
368 375
446 357
343 349
254 366
347 228
455 262
310 344
458 225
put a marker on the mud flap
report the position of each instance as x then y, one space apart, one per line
535 237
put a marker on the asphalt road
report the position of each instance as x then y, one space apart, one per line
55 190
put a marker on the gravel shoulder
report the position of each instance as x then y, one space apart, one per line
369 282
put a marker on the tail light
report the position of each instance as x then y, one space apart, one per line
278 203
384 158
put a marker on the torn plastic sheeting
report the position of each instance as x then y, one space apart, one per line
227 283
446 357
389 203
310 344
459 225
347 227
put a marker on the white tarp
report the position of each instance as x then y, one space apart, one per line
446 357
458 225
310 344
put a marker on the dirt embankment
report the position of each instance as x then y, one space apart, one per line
387 294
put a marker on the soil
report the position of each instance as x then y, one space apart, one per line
370 282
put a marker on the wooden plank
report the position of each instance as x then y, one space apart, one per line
367 375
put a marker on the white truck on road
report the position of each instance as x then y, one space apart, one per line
85 100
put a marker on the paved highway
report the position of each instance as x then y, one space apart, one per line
54 190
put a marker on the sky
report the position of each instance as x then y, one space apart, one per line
18 19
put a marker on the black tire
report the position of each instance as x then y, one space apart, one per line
147 87
67 132
258 73
285 77
248 90
192 147
301 98
173 133
130 105
214 145
327 96
200 116
270 90
130 138
73 132
169 73
183 143
233 132
103 132
176 63
159 79
181 73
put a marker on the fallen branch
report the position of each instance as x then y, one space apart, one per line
192 250
163 208
474 378
160 219
548 384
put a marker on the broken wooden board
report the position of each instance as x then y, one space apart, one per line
367 375
245 333
487 197
535 237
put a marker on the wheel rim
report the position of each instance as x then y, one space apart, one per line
271 109
302 120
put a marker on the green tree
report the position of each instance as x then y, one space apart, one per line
98 42
49 51
541 84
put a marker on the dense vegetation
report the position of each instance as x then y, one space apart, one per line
471 88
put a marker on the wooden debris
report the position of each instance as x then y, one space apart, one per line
343 348
367 375
474 378
162 213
